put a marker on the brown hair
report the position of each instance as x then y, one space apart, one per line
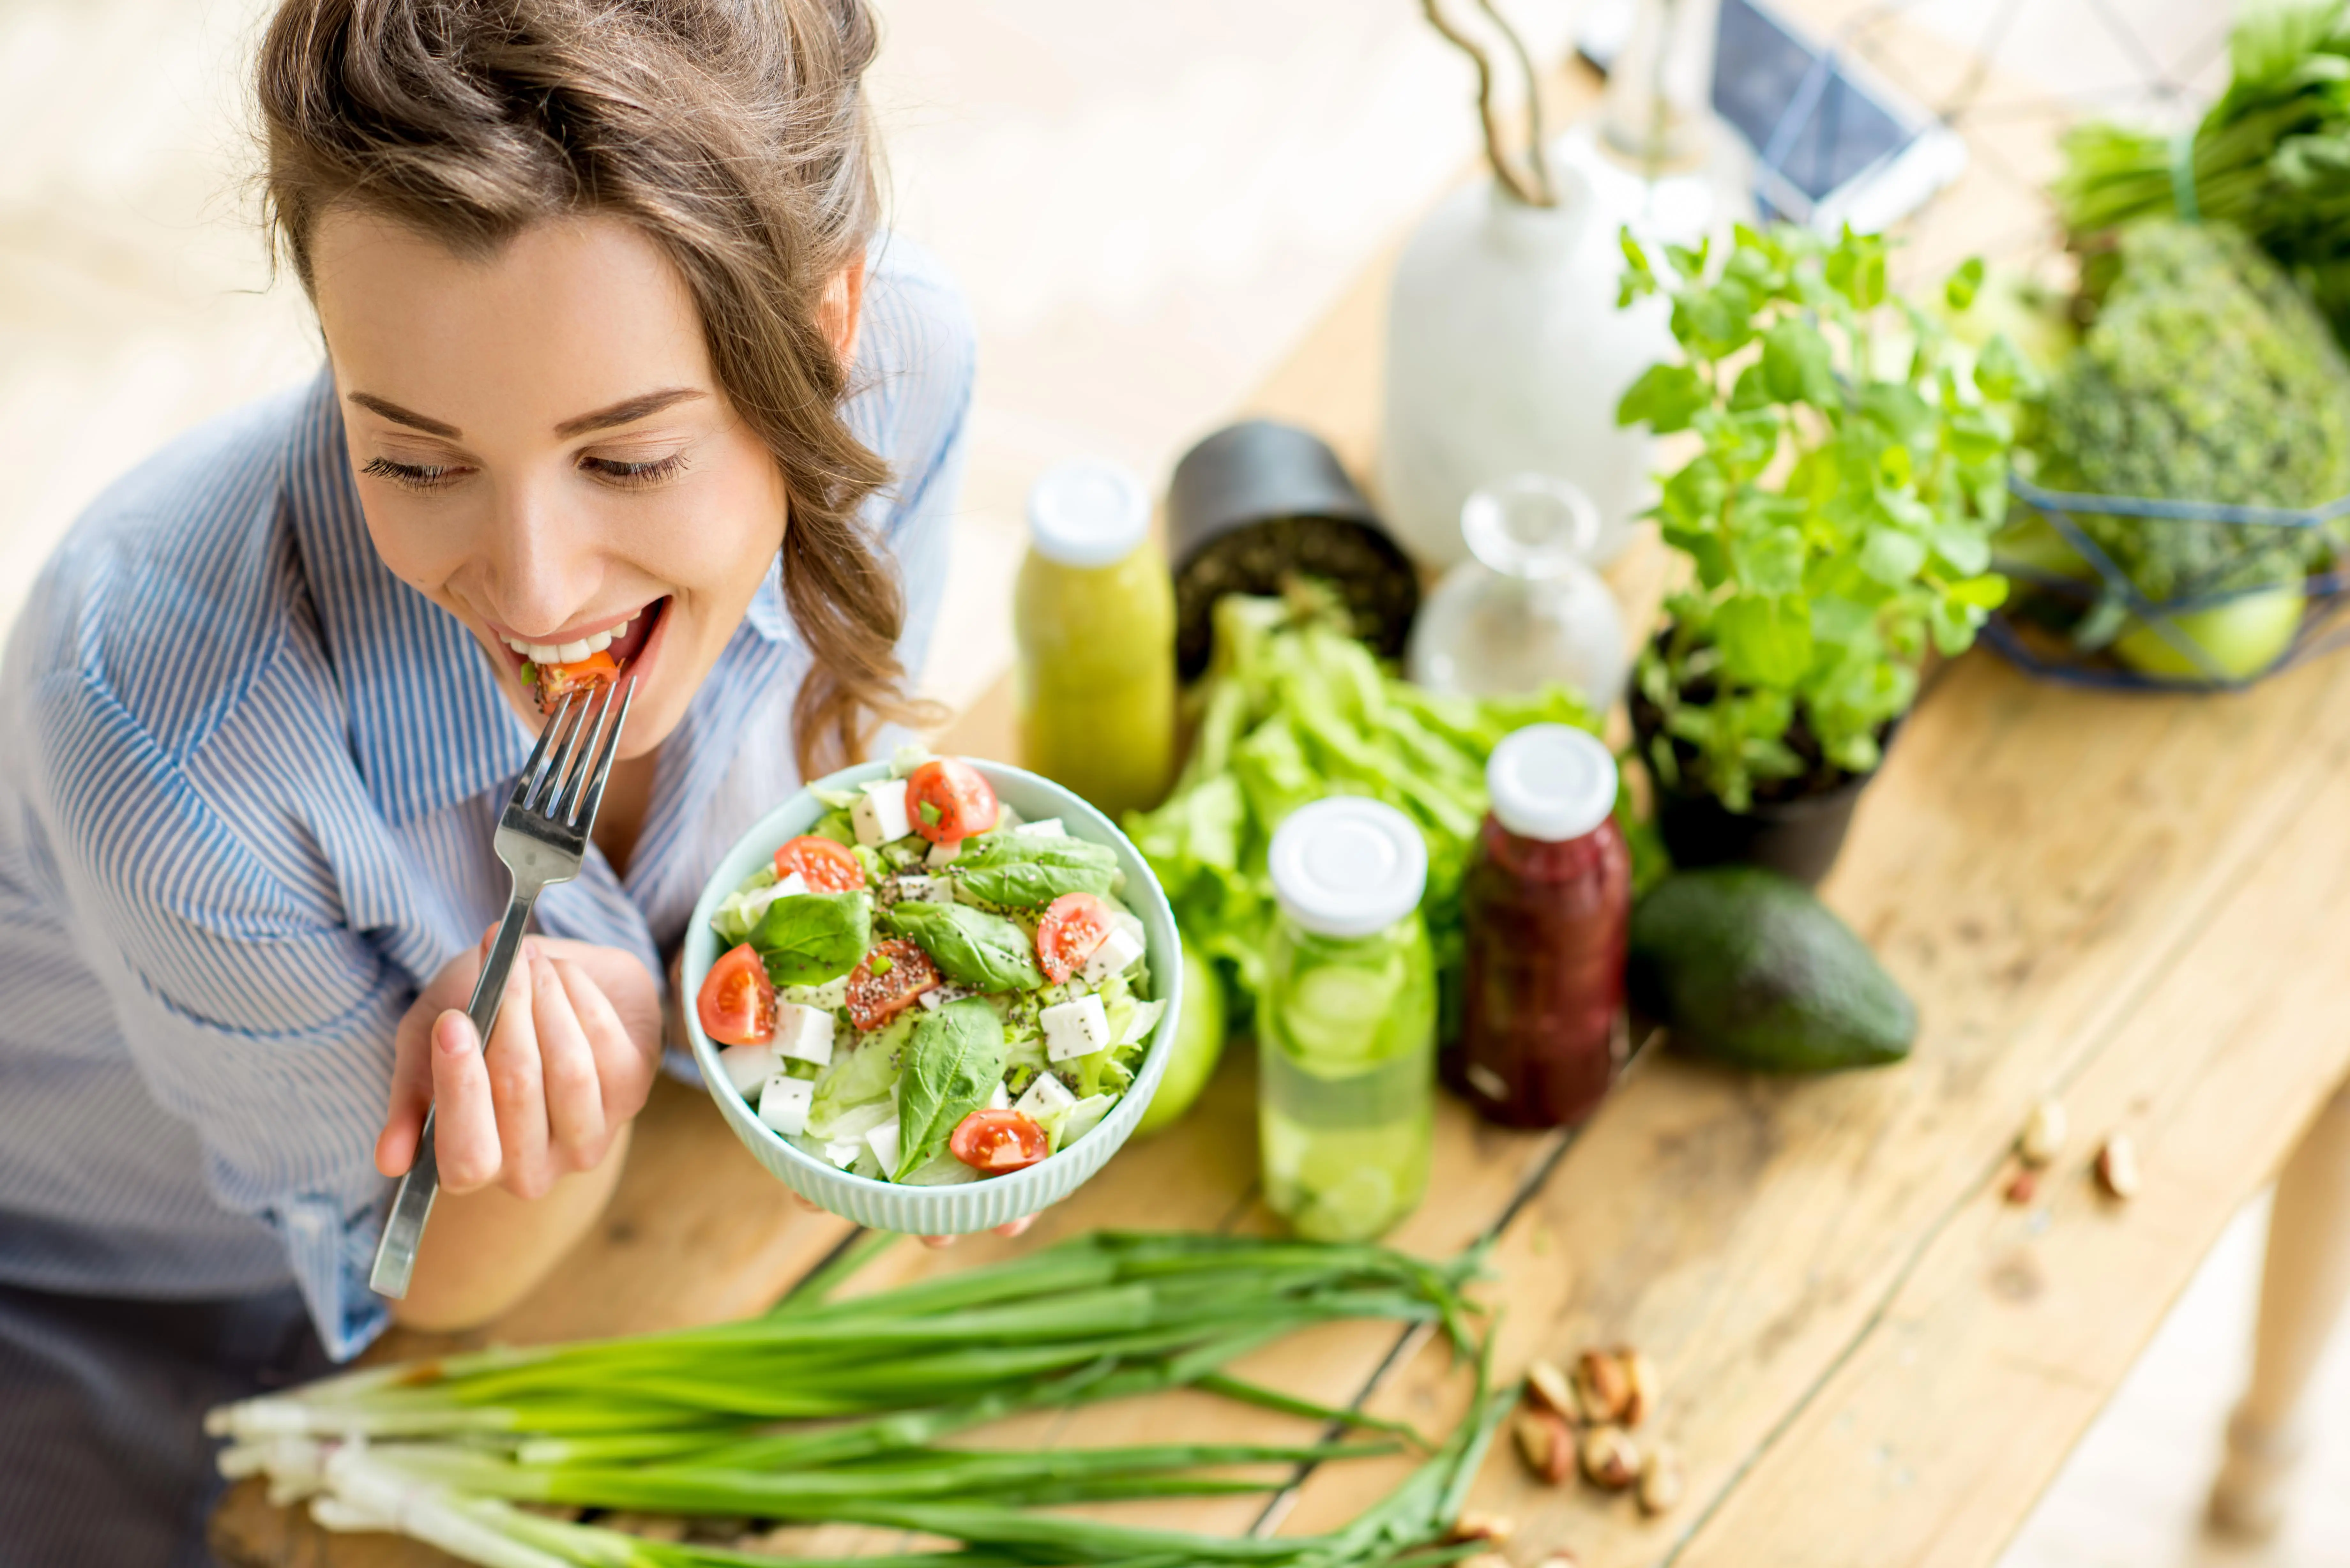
731 133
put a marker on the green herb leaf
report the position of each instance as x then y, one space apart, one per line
970 947
813 937
956 1060
1764 638
1964 283
1663 398
1797 364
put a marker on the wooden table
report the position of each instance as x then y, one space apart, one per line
2141 905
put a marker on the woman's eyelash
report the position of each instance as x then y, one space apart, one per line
416 476
632 474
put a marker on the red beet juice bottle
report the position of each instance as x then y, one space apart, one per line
1546 901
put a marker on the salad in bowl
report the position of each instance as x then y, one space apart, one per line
926 977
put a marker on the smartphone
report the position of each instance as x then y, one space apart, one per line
1833 142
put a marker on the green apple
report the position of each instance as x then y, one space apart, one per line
1199 1043
2241 637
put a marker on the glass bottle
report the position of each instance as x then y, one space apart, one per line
1346 1023
1093 614
1547 902
1526 611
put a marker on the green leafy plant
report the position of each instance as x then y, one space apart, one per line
1837 514
811 938
970 947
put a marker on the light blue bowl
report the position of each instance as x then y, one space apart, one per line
974 1205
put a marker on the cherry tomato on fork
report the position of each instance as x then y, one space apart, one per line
948 800
737 1006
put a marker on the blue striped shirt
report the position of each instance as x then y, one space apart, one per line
247 784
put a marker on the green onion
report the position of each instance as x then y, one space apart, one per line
832 1410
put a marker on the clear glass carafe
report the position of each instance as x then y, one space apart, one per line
1527 609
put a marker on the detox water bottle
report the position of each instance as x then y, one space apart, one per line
1347 1025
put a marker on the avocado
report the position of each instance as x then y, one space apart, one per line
1745 966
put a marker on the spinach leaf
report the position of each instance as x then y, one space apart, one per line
836 826
970 947
955 1059
1028 884
1023 871
813 937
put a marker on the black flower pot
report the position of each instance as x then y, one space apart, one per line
1799 836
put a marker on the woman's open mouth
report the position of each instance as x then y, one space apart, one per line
553 669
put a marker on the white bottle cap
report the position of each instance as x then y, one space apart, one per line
1551 781
1348 866
1088 512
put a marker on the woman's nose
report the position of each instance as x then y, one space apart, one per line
541 567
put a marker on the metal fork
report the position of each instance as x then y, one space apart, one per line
542 837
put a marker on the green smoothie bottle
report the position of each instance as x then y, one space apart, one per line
1094 615
1347 1025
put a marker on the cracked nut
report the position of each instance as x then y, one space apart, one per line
1547 1386
1602 1387
1610 1458
1494 1527
1640 1384
1547 1445
2043 1137
2022 1187
1660 1481
2117 1170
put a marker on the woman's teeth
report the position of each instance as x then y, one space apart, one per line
569 652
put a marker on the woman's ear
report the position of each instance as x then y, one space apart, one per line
843 304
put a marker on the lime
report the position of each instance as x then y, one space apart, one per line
2243 637
1199 1043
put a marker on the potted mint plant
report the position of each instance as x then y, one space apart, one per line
1851 467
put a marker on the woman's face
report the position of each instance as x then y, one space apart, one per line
542 449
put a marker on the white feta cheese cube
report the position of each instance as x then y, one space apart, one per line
1076 1028
932 999
1048 828
924 890
748 1066
791 886
843 1152
883 1141
1115 956
1042 1098
804 1034
942 854
783 1103
1000 1099
879 813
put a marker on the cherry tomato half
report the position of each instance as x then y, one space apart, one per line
555 680
737 1005
998 1142
948 800
825 865
906 971
1075 924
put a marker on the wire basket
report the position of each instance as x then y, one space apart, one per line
2041 628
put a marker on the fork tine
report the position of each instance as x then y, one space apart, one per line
602 767
591 731
531 769
543 791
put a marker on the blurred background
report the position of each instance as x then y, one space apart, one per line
1147 206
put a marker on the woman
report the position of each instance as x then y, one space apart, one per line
615 357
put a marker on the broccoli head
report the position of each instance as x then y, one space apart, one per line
2205 375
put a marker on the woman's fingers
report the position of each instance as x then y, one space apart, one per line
574 1100
624 1070
519 1088
412 1097
465 1119
1008 1230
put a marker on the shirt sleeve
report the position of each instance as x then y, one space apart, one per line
249 1007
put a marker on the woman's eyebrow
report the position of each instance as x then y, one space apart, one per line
622 413
400 416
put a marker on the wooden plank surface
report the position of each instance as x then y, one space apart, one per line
1868 1356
